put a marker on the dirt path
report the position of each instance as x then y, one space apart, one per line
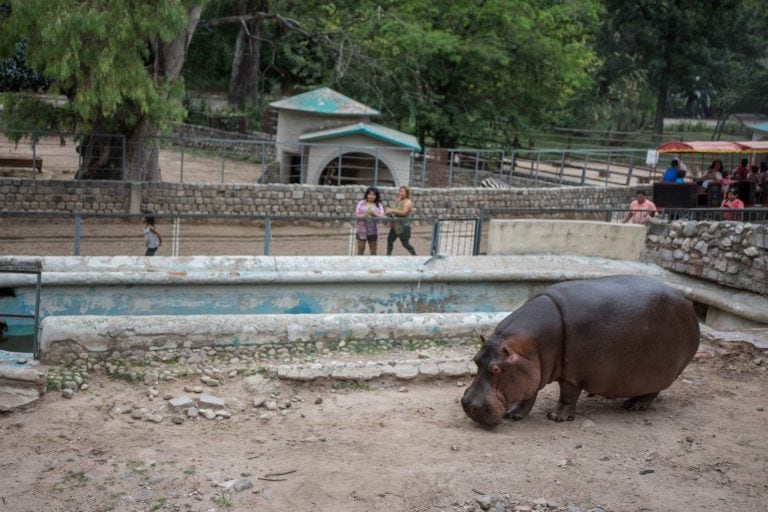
384 446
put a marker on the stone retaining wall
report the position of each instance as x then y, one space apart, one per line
730 253
284 200
699 250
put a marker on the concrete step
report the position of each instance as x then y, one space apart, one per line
22 381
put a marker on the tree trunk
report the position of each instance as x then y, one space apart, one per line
134 156
661 106
246 61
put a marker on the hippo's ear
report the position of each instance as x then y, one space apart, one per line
509 355
482 339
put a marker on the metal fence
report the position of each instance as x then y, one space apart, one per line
191 159
617 215
62 234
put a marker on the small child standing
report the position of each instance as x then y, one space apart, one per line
152 239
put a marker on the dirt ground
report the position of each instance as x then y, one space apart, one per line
387 446
379 445
60 162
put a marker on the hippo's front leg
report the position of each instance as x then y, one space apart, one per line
566 405
521 409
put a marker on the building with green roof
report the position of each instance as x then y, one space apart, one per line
324 137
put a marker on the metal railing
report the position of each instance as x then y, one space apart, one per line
89 234
27 268
190 159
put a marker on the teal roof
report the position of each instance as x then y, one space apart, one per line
375 131
758 127
325 101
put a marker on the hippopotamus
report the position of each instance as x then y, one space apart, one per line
618 336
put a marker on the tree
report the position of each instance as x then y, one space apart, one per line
678 43
451 71
117 62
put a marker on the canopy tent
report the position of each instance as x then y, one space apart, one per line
717 146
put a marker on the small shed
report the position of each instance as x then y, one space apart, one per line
757 124
324 137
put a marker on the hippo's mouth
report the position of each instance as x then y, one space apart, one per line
488 411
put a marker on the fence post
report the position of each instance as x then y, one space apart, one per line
478 234
477 164
435 238
181 162
562 167
629 173
176 236
124 157
608 215
76 239
267 235
223 159
450 167
584 170
34 154
424 168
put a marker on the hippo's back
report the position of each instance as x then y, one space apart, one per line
624 335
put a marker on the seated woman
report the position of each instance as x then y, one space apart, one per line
714 174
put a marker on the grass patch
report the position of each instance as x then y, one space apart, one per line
72 479
52 384
351 385
137 467
157 505
224 498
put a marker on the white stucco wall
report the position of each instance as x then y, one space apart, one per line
291 124
397 159
551 236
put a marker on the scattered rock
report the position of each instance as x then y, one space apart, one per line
67 393
484 501
180 402
242 484
210 401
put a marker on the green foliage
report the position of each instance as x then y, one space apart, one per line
52 384
97 54
15 75
350 385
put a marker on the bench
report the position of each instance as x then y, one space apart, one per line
22 163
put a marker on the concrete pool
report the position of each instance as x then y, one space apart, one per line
104 304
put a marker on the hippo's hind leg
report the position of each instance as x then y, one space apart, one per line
639 403
521 409
566 405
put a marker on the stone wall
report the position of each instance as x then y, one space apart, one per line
284 200
730 253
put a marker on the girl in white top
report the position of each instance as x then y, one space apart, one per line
152 239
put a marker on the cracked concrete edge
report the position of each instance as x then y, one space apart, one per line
405 370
